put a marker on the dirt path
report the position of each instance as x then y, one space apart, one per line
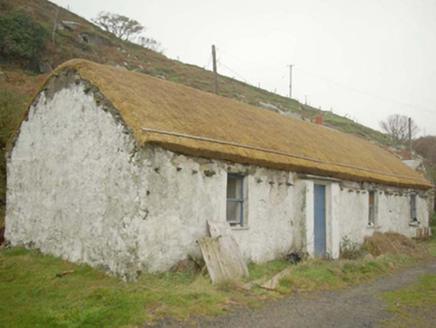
359 306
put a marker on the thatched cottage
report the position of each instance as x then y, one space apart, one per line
121 170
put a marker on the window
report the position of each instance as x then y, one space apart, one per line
235 199
413 215
371 218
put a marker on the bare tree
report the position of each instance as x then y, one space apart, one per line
149 43
123 27
397 126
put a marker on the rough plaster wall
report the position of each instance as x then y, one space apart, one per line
393 212
70 182
270 213
78 188
189 191
185 192
299 231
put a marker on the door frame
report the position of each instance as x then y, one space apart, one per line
332 198
315 221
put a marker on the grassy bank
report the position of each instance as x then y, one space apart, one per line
32 295
413 306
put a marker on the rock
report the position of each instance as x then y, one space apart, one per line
71 25
94 39
160 77
294 115
60 27
44 67
122 68
270 107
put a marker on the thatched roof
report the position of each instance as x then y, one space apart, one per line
241 133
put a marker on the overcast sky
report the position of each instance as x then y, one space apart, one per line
365 59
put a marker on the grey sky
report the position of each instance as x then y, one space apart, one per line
364 58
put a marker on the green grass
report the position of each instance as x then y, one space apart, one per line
413 305
266 270
327 275
32 295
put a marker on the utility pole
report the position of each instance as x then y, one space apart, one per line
305 99
410 137
290 80
215 75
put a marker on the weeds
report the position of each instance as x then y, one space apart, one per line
350 250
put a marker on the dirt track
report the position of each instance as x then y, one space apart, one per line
359 306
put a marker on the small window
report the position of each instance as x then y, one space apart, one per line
413 214
371 218
235 199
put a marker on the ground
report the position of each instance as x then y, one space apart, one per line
404 299
43 291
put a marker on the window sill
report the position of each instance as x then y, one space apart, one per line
414 224
371 227
238 227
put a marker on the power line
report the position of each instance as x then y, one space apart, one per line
208 62
238 75
365 93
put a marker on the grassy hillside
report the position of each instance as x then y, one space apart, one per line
36 36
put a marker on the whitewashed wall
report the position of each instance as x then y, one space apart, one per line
79 188
392 214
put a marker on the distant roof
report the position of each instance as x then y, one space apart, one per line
197 123
413 163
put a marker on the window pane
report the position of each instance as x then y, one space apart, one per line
234 211
413 207
234 187
371 198
371 215
371 204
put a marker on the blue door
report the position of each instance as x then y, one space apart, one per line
319 221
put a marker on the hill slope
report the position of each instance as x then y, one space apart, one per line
36 36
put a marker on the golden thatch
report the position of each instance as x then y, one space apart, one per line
287 143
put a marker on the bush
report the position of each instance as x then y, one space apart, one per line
11 105
21 38
349 249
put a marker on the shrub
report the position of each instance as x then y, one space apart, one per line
349 249
11 105
21 38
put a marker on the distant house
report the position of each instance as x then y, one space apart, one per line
121 170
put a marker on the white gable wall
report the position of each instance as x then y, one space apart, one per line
69 182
